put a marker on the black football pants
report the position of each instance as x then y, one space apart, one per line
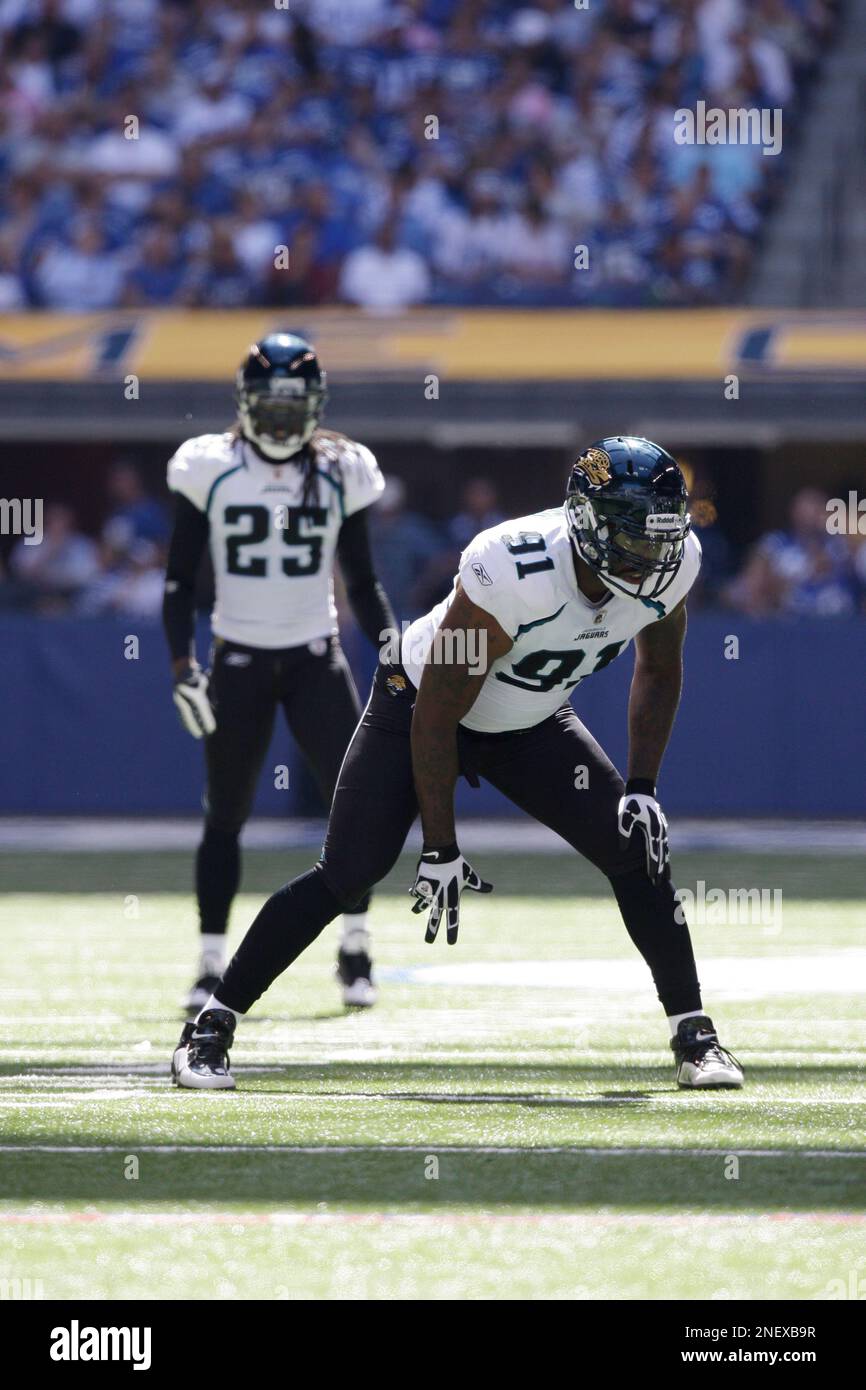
313 686
556 772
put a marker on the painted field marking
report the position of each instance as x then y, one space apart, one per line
575 1220
493 1150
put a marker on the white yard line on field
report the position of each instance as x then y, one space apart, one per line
736 977
575 1220
489 1150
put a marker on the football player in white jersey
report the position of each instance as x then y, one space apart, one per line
278 500
481 688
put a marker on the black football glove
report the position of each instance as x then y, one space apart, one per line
639 810
441 877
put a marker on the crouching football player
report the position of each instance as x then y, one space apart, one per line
550 598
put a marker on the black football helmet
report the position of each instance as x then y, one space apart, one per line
280 394
627 506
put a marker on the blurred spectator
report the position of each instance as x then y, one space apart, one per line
801 570
384 275
310 126
135 516
130 156
219 278
159 276
59 567
406 548
11 289
479 509
82 274
716 552
132 581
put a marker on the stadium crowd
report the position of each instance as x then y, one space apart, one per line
159 152
801 568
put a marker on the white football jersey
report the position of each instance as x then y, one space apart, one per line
273 556
523 573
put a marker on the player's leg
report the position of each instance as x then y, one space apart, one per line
322 709
243 696
373 808
559 774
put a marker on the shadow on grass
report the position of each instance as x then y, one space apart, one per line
388 1178
374 1077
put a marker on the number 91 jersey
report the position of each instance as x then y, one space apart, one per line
522 572
272 550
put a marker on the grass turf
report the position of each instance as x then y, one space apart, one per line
505 1128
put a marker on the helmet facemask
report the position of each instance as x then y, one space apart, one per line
280 415
630 548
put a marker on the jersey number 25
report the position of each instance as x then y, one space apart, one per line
297 532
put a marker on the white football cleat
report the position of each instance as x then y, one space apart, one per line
702 1062
201 1058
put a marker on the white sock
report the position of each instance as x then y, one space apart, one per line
214 1003
213 953
356 937
674 1020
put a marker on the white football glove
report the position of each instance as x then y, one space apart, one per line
641 811
442 875
191 698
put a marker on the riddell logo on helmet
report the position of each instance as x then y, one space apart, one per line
664 521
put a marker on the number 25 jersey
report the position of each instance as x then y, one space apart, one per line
523 573
272 551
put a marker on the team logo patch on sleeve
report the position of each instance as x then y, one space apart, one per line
481 574
395 685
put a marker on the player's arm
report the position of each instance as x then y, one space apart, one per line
368 600
449 687
188 541
656 686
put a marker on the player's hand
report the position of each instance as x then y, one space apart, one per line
191 698
441 877
640 811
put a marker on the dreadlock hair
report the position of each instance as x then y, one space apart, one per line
322 450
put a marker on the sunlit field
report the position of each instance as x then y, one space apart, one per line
504 1123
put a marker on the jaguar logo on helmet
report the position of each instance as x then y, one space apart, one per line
595 463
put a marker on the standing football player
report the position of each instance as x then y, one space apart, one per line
551 598
276 498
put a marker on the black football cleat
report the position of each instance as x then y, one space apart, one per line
702 1062
200 993
355 974
201 1058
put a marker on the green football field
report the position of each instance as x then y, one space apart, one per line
504 1124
